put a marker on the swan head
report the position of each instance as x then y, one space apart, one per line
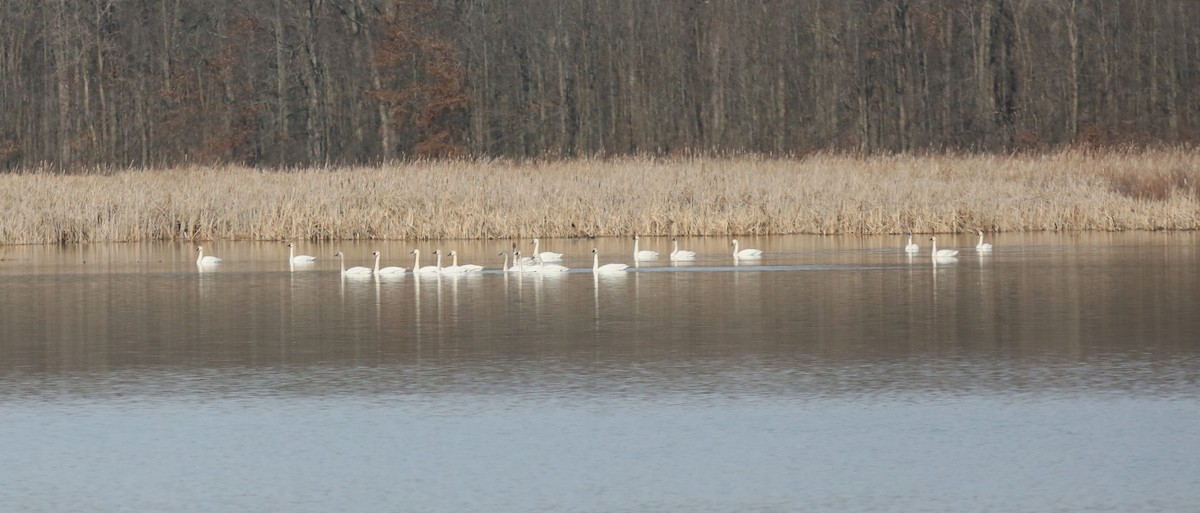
980 233
453 253
338 254
415 252
733 242
535 242
290 245
593 251
374 253
199 248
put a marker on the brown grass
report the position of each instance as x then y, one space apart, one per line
822 194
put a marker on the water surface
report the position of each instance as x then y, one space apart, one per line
1057 373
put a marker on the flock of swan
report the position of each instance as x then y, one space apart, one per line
941 254
545 261
538 262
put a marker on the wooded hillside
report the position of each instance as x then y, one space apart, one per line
315 82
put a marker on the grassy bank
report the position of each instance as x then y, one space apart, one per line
1072 190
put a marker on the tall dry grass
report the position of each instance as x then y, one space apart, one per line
823 194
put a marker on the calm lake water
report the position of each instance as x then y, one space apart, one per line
1058 373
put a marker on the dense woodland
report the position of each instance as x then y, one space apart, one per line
320 82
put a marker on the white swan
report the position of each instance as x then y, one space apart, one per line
354 271
417 269
606 268
680 254
386 270
982 246
543 267
518 259
912 247
548 256
519 264
299 259
642 255
941 253
205 260
450 269
506 268
466 268
745 253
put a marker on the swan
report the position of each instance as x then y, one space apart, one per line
606 268
681 254
466 268
519 259
912 247
941 253
416 268
299 259
386 270
354 271
506 268
519 264
450 269
745 253
548 256
982 246
642 255
205 260
544 268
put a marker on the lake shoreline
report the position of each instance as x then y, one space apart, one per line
1071 190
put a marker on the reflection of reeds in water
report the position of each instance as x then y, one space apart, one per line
822 194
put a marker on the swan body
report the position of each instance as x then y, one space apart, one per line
745 253
941 253
519 264
681 254
466 268
912 247
982 246
606 268
386 270
548 256
450 269
299 259
544 268
506 268
353 271
417 269
642 255
205 260
517 258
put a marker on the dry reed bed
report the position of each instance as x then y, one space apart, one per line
824 194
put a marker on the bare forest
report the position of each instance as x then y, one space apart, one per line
297 83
